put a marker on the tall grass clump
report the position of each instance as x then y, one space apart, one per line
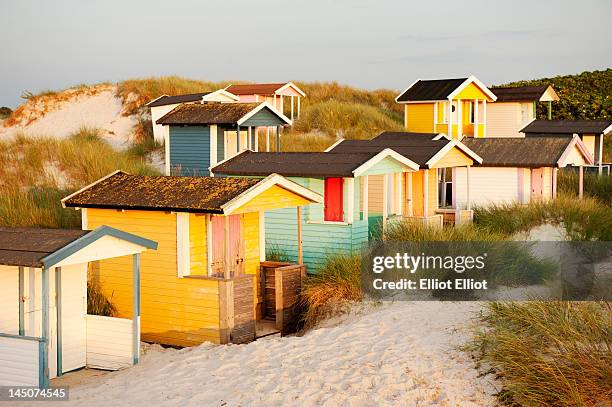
37 172
298 142
335 285
97 303
406 231
346 120
585 219
135 93
548 353
595 186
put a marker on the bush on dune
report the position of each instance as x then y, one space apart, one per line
345 120
548 353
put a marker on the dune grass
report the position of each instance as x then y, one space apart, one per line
97 303
595 186
135 93
345 120
38 171
548 353
586 219
336 284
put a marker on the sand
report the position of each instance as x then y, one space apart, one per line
399 354
99 108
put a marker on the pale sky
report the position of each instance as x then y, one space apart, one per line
369 44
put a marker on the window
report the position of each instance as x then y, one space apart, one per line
472 112
334 199
445 188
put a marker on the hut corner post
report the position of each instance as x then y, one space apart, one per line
21 302
136 300
299 236
58 310
580 181
43 350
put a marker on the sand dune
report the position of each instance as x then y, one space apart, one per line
401 354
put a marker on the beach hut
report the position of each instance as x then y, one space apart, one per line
456 107
164 104
202 134
515 107
45 330
519 169
591 132
425 196
286 97
339 224
204 282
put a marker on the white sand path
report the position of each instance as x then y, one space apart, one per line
401 354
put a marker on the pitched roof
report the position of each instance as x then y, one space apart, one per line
418 147
519 152
267 89
160 193
522 93
211 113
28 246
569 126
291 164
432 89
172 100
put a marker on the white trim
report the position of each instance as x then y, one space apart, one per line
473 79
350 216
475 114
84 220
265 184
223 92
290 84
406 90
449 119
484 118
260 107
448 147
336 143
459 119
209 244
576 142
440 136
262 236
89 186
387 152
182 244
167 152
398 192
385 197
607 130
213 145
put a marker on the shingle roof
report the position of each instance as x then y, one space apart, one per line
28 246
207 113
519 94
568 126
290 164
172 100
433 89
255 88
418 147
161 193
519 152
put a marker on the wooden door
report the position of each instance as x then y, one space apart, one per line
334 199
236 245
417 193
537 178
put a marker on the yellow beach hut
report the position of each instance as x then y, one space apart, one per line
203 282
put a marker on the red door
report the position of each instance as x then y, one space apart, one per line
334 203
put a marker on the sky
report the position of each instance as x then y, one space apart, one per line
369 44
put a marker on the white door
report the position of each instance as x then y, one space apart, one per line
74 309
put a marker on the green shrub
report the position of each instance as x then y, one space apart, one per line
548 353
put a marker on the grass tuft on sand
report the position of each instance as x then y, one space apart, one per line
548 353
38 171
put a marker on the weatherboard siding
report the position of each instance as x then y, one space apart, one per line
175 311
190 150
319 239
419 117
